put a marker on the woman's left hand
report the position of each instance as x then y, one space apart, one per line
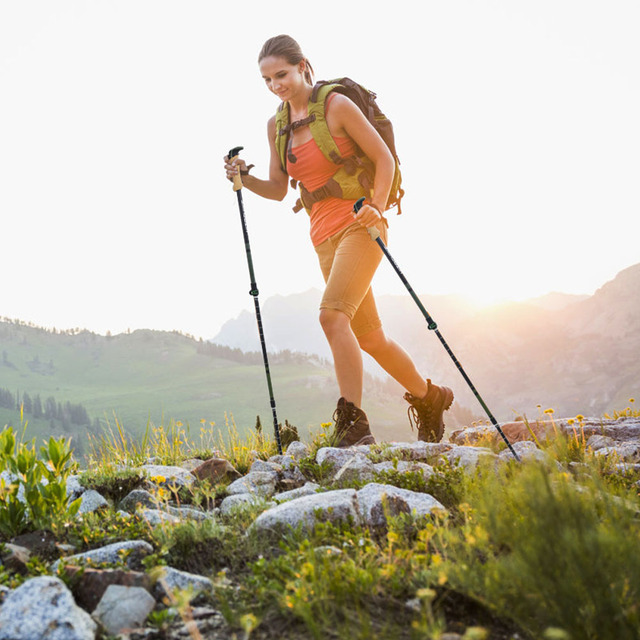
368 216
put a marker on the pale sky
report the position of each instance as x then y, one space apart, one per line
516 123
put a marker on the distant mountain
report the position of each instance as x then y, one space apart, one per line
555 301
576 354
613 310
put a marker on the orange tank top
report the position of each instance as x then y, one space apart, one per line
330 215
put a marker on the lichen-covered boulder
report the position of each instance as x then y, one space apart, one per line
43 608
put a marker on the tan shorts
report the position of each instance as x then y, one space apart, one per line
348 261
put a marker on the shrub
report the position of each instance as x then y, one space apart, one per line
33 493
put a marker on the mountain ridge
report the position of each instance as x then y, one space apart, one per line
570 352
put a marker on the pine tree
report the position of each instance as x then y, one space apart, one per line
37 407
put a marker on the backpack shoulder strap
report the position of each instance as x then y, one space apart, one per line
282 133
318 126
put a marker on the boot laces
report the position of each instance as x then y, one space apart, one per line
421 414
344 417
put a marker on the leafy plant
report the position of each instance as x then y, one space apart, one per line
33 491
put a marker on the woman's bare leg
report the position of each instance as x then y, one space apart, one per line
394 360
347 357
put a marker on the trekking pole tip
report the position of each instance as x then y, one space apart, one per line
237 179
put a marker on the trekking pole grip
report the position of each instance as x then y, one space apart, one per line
237 179
372 231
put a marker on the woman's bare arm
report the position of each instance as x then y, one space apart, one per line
276 186
346 118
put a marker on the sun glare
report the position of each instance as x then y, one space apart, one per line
485 298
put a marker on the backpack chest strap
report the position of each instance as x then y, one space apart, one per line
288 130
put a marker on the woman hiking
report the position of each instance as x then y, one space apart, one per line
347 255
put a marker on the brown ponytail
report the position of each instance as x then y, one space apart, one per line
286 47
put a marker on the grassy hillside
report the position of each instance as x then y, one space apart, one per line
151 376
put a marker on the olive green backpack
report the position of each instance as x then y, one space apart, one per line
354 178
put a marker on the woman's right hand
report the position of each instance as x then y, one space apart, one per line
233 166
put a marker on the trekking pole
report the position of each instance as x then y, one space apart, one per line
237 187
375 235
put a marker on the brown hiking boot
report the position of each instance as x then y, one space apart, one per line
426 413
352 425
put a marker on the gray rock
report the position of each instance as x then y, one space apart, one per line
122 608
358 467
347 464
293 475
138 497
288 462
74 488
599 441
526 450
261 483
625 429
334 506
173 579
310 488
334 457
298 450
376 501
168 476
44 609
468 457
418 451
262 466
92 501
625 452
239 501
137 549
156 516
188 513
471 435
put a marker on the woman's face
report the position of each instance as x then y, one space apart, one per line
282 78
